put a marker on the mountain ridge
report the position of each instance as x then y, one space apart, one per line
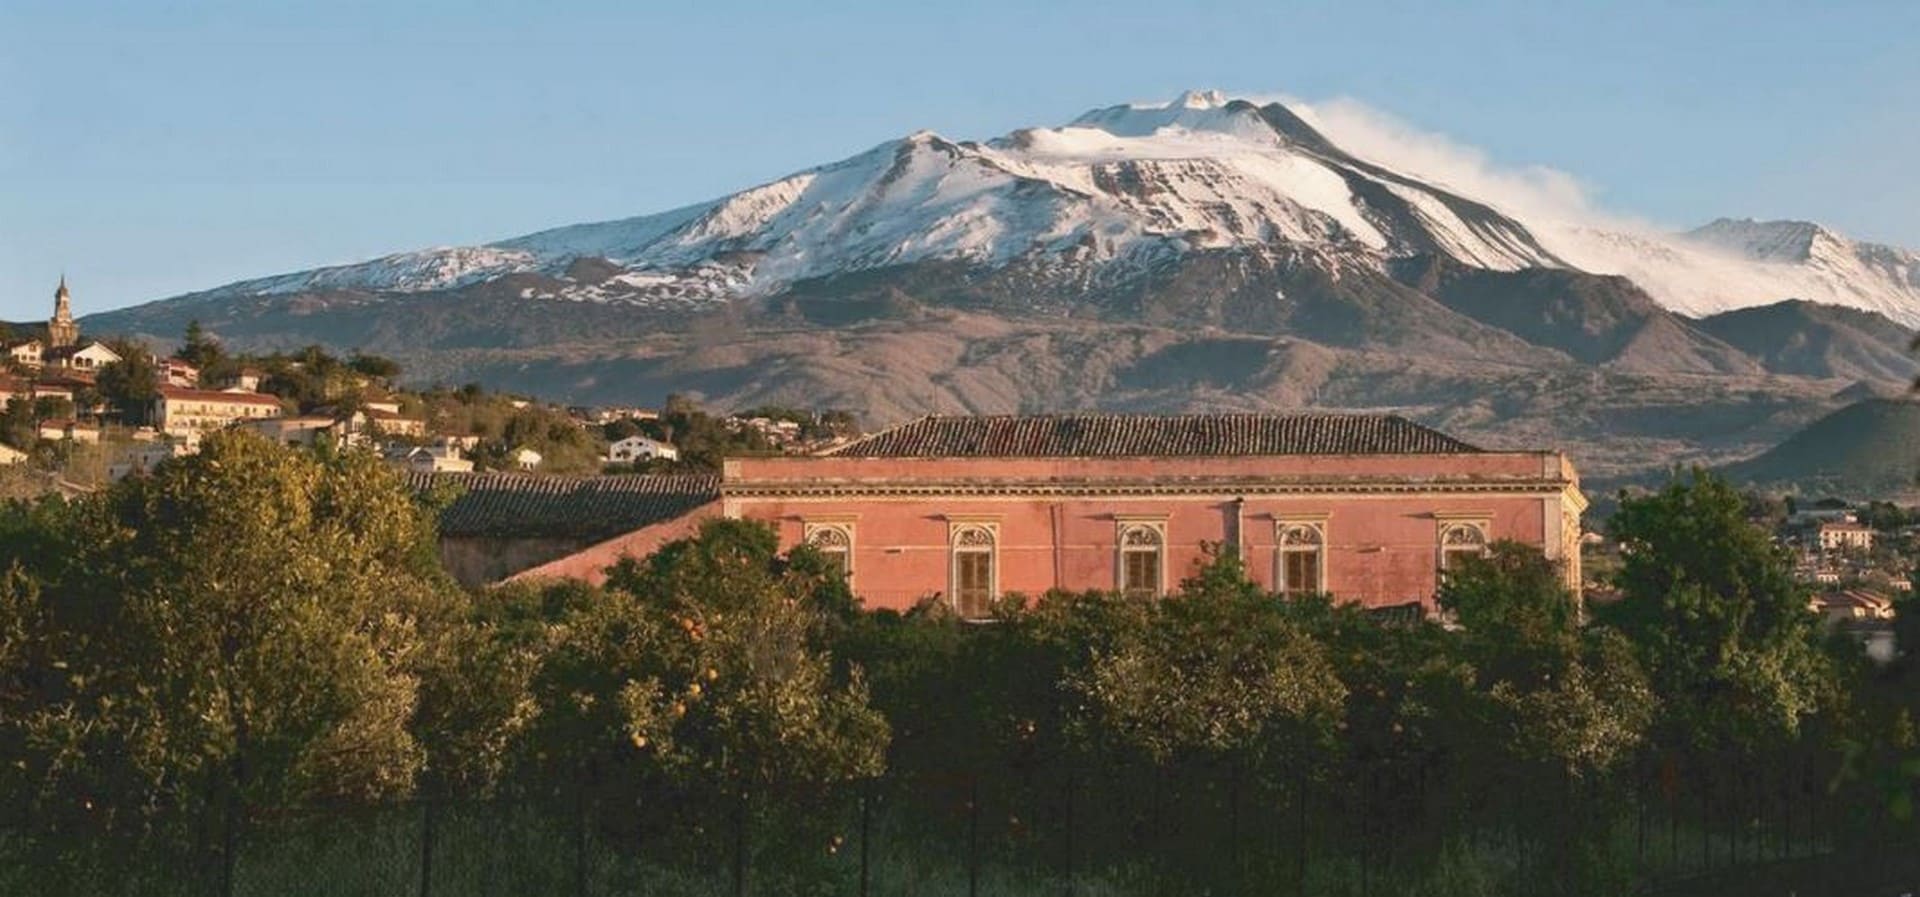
1207 254
1122 183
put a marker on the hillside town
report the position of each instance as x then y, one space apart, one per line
86 412
77 413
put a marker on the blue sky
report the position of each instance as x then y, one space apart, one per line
153 148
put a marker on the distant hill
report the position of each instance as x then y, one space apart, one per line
1869 449
1811 340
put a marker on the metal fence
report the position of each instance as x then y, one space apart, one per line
1089 828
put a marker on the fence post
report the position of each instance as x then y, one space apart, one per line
740 846
866 834
1300 827
230 857
426 847
1069 820
580 838
1233 823
973 836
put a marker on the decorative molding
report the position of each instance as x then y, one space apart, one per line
836 518
832 535
1300 534
1457 533
971 534
1222 490
1134 533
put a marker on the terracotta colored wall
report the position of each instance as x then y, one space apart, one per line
591 563
1381 550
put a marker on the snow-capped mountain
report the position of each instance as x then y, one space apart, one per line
1113 193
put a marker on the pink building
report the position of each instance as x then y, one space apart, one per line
964 509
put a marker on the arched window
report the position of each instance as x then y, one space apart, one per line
1142 552
1303 558
835 544
1459 541
974 570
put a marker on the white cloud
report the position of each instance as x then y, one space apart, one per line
1533 192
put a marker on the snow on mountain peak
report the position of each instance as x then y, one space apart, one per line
1126 184
1201 99
1790 241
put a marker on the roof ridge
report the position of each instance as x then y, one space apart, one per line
1127 434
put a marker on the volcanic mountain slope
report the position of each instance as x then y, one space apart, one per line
1819 341
1870 449
1209 252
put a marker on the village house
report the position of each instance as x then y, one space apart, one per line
174 372
88 358
246 379
29 353
963 510
431 459
640 448
69 430
27 389
388 421
300 429
179 411
524 458
11 455
1845 535
1851 604
141 458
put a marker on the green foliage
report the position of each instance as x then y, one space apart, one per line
735 686
200 349
244 622
255 632
1571 700
1888 517
129 385
1718 620
1210 674
703 439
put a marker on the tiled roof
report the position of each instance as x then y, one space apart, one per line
184 394
582 507
1142 435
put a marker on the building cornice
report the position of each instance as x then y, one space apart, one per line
1226 488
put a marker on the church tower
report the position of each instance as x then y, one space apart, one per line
61 329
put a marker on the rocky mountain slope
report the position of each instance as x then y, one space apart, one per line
1209 252
1870 449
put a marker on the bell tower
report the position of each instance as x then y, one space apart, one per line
61 329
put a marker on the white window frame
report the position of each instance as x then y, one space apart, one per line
1156 528
957 530
1282 527
818 532
1449 526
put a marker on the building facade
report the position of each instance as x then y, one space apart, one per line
963 510
1845 535
182 412
640 448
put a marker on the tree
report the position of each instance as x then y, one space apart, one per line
199 349
375 366
1219 671
1575 701
741 690
130 384
241 630
1716 617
